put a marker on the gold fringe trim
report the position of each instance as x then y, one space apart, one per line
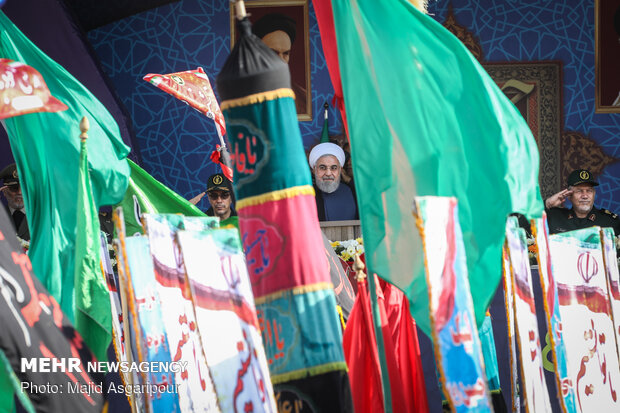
294 291
339 308
275 196
258 98
312 371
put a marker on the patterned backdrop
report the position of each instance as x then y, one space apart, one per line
176 142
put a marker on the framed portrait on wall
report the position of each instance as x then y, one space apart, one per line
607 55
283 26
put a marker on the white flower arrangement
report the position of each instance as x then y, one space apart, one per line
347 249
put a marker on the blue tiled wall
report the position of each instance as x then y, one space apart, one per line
533 30
176 141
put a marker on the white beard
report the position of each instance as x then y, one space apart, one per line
328 186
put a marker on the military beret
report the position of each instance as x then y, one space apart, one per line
9 175
581 176
272 22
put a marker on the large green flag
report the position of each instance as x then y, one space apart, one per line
145 194
46 149
93 316
426 119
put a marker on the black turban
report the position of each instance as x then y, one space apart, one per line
272 22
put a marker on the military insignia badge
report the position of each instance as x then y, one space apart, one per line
217 180
592 217
584 175
15 174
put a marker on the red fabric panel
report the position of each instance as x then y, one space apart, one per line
325 19
276 254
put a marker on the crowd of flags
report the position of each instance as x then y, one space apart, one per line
252 309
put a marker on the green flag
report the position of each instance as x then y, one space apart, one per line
46 150
145 194
426 119
93 316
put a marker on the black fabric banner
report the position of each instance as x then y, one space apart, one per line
46 353
294 396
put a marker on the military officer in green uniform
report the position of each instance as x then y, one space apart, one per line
580 192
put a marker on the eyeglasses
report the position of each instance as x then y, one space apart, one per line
216 195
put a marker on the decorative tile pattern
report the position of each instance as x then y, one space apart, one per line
175 140
534 30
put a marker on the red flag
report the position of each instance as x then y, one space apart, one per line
360 349
360 352
221 157
406 347
325 19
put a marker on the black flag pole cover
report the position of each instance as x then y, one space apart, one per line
279 227
44 350
251 68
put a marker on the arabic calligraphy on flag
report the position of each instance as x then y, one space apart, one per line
528 338
192 87
196 389
552 312
23 91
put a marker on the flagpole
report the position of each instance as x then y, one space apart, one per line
358 267
240 12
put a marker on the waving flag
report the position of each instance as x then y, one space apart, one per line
457 342
33 329
47 152
145 194
424 118
93 316
24 91
193 87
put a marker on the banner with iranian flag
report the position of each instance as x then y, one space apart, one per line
613 277
591 351
226 319
453 324
195 387
534 387
552 312
148 330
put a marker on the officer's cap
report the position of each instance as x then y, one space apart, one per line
9 175
581 176
218 182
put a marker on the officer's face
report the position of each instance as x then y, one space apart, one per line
582 198
14 198
220 201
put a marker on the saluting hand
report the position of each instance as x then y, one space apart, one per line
197 198
557 200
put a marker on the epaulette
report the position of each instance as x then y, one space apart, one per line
608 212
